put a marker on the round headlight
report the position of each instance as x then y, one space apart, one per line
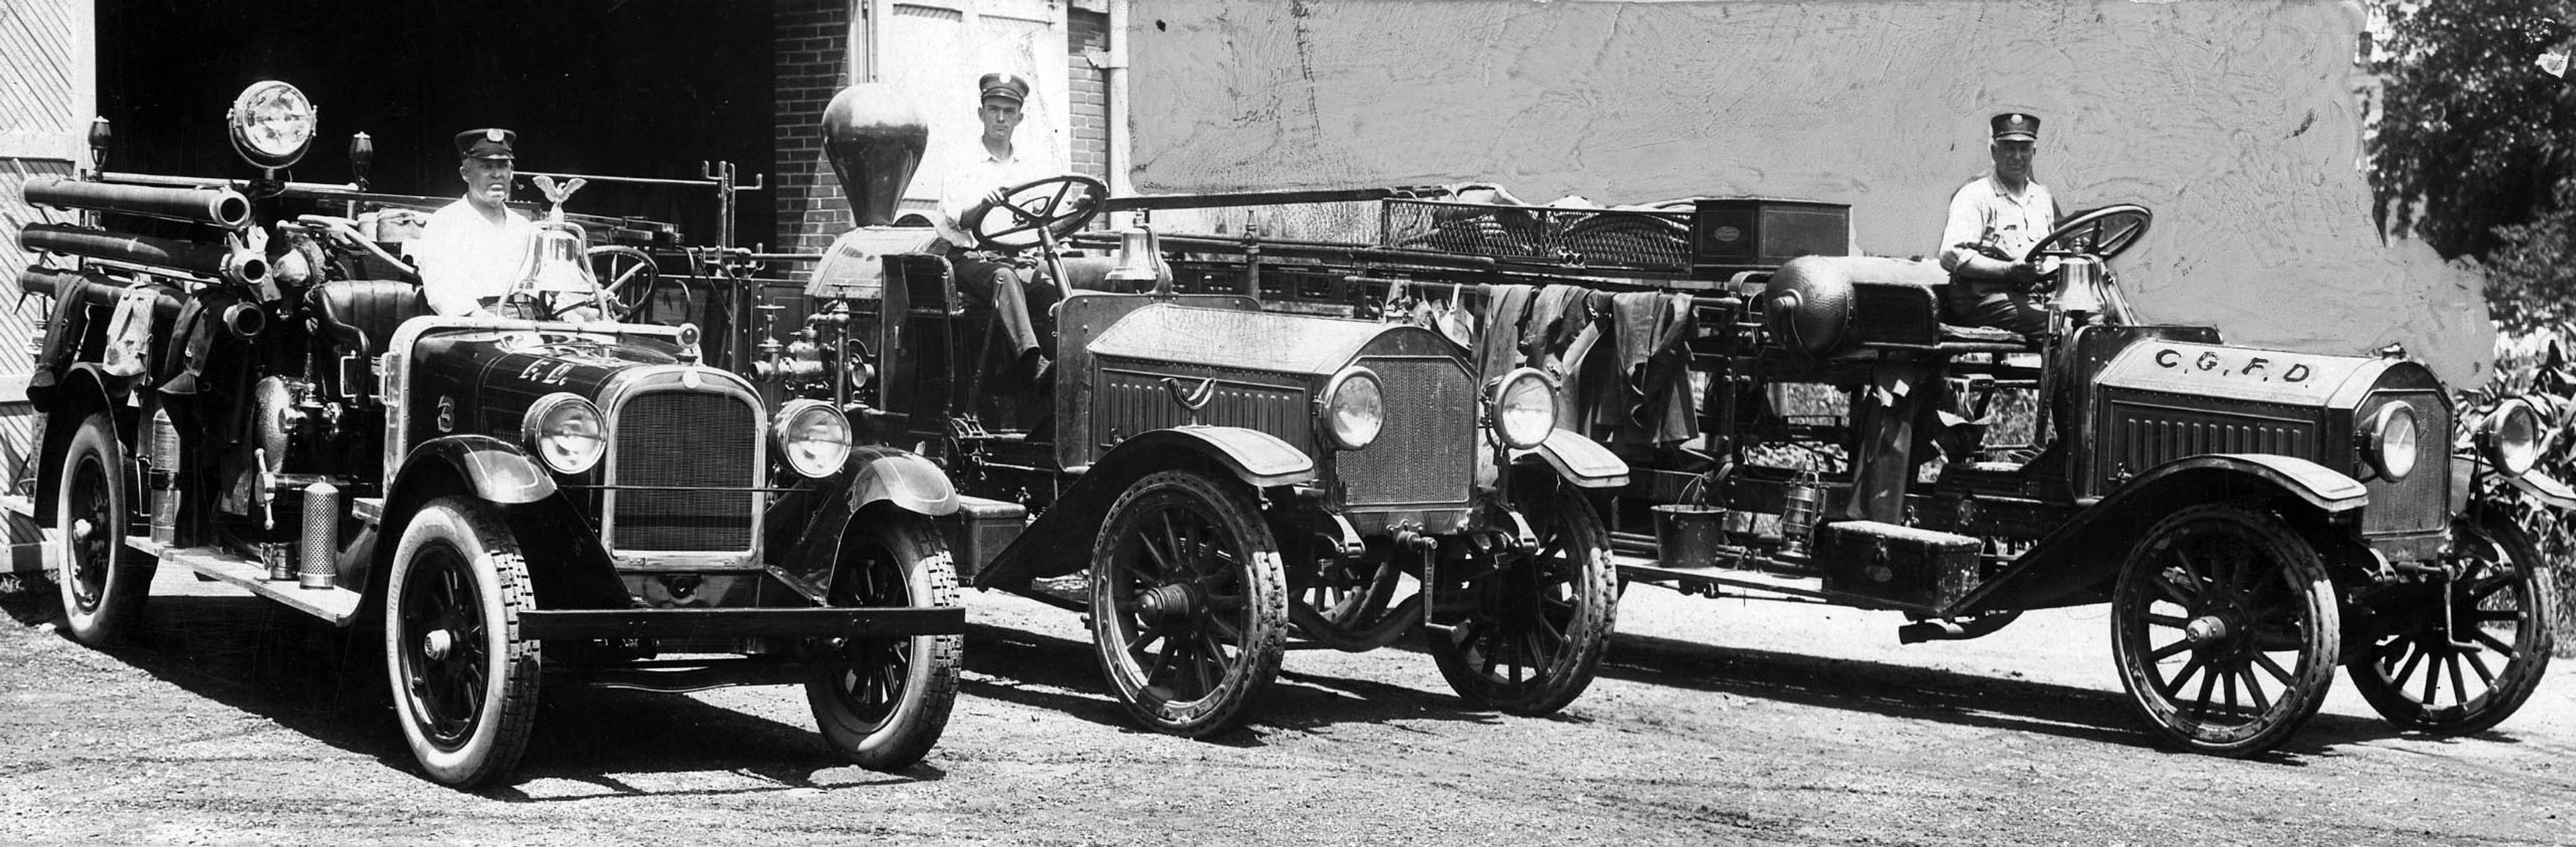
2390 441
565 432
2512 442
1354 408
813 437
1523 408
271 123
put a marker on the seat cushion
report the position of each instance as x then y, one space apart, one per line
363 313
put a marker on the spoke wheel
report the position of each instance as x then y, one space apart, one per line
1343 604
1537 623
103 584
1188 604
1035 212
2466 671
464 682
2225 629
883 702
630 277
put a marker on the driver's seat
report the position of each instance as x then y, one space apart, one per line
358 318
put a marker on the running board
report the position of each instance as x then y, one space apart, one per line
335 604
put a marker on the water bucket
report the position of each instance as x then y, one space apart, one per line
1687 536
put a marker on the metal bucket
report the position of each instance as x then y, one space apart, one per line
1688 536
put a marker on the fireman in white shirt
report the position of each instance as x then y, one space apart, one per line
474 248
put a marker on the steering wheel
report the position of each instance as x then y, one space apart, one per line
627 277
1048 209
2101 233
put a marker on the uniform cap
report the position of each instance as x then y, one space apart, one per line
1004 85
491 143
2015 126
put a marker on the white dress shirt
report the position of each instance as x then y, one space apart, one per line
968 173
465 257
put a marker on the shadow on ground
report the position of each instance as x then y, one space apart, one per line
329 684
1062 675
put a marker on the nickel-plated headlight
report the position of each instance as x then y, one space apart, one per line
565 432
272 123
2511 441
2389 441
1523 408
1354 408
813 437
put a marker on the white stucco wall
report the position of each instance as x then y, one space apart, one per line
2235 121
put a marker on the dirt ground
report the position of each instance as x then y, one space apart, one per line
1713 722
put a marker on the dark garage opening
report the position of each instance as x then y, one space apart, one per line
618 87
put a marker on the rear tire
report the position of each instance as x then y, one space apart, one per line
884 702
103 582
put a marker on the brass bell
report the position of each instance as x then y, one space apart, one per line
1140 261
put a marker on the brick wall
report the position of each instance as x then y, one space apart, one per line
1086 33
812 44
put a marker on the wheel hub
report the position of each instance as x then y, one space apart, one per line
2206 629
437 644
1168 601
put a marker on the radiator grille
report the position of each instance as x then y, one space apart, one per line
1426 455
2420 502
1134 401
684 438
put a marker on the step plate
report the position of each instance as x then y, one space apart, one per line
334 604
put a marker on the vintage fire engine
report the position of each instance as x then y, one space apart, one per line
548 497
1225 476
2254 517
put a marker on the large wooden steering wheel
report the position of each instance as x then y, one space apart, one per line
1034 212
2101 233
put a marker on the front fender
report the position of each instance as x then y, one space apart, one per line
2076 563
1578 460
1058 542
493 469
910 482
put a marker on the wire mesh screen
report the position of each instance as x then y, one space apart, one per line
1609 239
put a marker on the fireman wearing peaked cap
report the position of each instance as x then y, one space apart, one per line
1994 221
972 175
474 248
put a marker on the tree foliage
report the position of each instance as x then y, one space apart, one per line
2472 133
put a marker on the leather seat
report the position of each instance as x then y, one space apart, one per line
361 315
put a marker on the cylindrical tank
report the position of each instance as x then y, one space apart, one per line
319 549
162 457
875 137
1812 298
221 207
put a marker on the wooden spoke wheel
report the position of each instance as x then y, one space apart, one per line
1189 606
103 584
1343 604
464 682
2459 656
1537 622
2225 628
884 702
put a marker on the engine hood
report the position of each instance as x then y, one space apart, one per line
2265 376
1264 341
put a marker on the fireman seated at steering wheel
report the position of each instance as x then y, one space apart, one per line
1994 223
476 248
994 206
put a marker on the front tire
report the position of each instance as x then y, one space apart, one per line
2225 629
884 702
1189 604
103 583
464 683
2503 588
1539 620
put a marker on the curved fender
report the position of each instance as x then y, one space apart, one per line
2317 484
2072 564
910 482
1579 460
1258 458
498 470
